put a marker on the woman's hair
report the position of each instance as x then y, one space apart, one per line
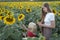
48 9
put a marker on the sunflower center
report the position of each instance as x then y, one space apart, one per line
53 11
20 7
59 12
28 9
9 19
20 16
0 14
2 18
9 13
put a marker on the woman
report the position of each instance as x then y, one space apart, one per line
47 22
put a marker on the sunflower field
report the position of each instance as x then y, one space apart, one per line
14 14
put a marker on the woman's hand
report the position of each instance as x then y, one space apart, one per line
39 23
49 26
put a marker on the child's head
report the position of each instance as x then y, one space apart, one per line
32 26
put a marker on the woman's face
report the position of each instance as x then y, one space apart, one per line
44 9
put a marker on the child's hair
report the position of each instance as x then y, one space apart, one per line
32 26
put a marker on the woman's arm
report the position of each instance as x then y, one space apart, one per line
40 22
51 26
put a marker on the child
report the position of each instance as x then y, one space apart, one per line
31 30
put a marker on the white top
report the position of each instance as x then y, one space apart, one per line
48 18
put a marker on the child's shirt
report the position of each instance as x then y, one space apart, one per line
30 34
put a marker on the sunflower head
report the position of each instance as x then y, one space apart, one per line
10 13
20 7
28 10
2 10
9 20
7 11
59 13
54 11
1 17
21 17
11 6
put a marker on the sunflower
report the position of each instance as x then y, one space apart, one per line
11 6
7 11
20 7
1 16
10 13
9 20
28 10
54 11
21 17
59 13
2 10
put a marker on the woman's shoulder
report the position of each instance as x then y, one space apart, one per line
51 14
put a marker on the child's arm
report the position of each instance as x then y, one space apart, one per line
24 27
